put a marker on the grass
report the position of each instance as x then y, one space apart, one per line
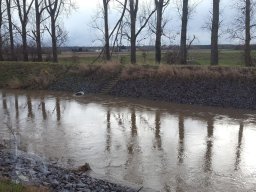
7 186
38 75
188 72
200 57
20 74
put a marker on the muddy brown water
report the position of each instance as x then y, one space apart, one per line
163 146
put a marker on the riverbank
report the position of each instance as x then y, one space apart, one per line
209 86
31 170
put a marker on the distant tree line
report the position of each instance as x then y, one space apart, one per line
24 23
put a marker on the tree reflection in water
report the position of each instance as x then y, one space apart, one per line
139 144
58 112
108 142
181 145
209 145
43 108
29 105
239 146
16 106
157 130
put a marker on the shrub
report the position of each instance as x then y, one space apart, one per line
171 57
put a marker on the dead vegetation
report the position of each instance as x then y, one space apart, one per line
39 76
15 83
188 72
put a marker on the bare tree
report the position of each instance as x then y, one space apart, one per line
215 32
247 47
10 28
54 9
1 25
183 38
107 47
115 34
242 27
23 10
160 5
133 15
134 29
39 10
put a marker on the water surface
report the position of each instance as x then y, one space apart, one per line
163 146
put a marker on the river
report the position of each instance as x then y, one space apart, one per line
167 147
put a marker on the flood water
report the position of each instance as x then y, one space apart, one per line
162 146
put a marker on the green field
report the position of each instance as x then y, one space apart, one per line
198 57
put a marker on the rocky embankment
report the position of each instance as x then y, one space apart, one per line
31 170
208 92
211 86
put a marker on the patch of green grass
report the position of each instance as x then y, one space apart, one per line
25 71
195 56
6 186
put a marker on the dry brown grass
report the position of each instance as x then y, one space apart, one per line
15 83
42 80
85 69
110 67
137 72
188 72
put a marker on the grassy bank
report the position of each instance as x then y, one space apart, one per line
191 84
18 75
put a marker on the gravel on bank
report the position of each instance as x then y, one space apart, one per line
207 92
29 169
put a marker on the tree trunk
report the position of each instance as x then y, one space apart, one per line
159 30
8 8
215 33
107 48
1 40
54 40
133 43
24 42
247 47
38 32
1 47
133 15
183 39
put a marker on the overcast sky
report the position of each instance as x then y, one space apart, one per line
78 24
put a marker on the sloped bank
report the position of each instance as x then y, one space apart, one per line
209 92
210 86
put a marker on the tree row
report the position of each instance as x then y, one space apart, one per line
23 23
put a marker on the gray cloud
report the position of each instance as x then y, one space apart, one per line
81 34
